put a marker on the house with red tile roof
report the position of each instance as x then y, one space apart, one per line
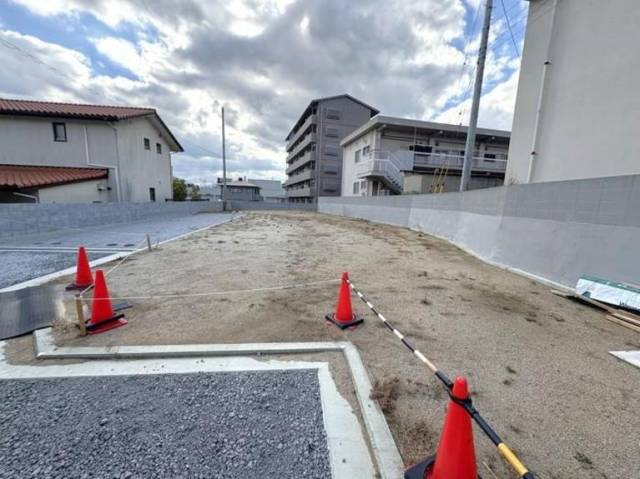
77 153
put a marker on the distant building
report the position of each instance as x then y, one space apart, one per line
72 153
314 156
390 156
238 190
270 191
577 108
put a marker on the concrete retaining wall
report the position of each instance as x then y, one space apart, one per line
17 219
556 231
233 205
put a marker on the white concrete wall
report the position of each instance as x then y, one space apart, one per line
29 141
81 192
590 116
555 231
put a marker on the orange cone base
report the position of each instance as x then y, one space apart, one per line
349 324
106 324
421 470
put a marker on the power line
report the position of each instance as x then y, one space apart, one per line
506 16
36 59
532 20
466 59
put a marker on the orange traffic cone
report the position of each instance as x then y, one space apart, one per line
83 271
456 457
344 317
102 315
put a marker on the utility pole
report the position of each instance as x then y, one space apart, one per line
475 104
224 167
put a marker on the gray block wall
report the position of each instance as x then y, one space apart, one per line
556 231
17 219
234 205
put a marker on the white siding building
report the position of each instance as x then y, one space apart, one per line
131 146
577 111
389 155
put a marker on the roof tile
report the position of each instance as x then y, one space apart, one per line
19 176
95 112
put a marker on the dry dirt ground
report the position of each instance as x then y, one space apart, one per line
537 363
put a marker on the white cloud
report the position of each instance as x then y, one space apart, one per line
264 60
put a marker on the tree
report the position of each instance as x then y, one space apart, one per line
179 189
195 192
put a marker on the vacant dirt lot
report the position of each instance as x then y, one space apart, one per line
537 363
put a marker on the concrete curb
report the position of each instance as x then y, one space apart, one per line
385 451
100 261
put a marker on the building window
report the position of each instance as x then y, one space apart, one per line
332 113
59 132
357 157
152 194
365 151
356 187
158 148
147 144
331 150
331 132
490 157
420 148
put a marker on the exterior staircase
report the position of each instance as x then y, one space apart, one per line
383 166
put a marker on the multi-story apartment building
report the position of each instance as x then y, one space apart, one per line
388 156
314 156
577 108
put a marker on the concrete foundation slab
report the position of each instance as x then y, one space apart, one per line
382 444
348 452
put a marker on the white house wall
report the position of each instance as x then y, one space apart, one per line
81 192
143 169
349 161
590 116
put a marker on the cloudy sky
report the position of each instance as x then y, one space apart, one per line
264 60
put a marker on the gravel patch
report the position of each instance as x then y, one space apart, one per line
218 425
23 266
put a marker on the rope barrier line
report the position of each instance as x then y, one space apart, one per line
214 293
122 260
504 450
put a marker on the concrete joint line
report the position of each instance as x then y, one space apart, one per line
382 444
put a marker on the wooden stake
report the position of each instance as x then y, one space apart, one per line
149 243
80 312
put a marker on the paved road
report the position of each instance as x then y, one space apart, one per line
32 256
218 425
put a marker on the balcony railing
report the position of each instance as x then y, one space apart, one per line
303 176
299 162
456 162
299 192
310 138
298 133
